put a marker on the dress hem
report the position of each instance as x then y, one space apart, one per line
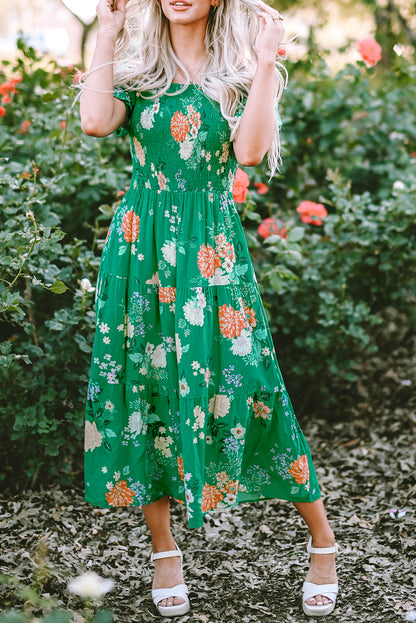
198 522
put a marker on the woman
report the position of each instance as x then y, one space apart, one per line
186 399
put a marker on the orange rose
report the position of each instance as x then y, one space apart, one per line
241 183
262 189
270 226
2 111
311 212
130 226
370 50
24 126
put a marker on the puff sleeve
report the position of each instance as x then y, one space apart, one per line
129 98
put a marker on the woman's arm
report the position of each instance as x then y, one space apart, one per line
257 125
101 113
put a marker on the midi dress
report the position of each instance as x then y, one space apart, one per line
186 398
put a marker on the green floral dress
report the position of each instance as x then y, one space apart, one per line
185 398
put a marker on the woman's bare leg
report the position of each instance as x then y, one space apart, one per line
322 567
167 570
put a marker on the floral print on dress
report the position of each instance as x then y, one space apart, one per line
185 397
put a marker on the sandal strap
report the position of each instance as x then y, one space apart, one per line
169 554
328 590
180 590
321 550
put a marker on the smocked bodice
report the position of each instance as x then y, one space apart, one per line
180 142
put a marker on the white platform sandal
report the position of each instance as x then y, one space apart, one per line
180 590
328 590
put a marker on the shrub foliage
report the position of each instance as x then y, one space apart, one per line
349 144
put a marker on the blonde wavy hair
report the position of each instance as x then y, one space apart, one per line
146 61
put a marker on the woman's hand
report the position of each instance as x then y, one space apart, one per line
270 33
111 20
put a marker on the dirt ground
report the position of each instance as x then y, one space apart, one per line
248 565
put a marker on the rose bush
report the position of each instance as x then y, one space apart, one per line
349 146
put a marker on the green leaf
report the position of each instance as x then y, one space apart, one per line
58 287
296 234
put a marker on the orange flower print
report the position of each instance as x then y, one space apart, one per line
250 314
231 321
167 294
300 469
130 226
210 498
180 468
261 410
228 251
179 126
161 180
208 260
120 494
196 120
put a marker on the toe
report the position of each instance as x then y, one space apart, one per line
311 601
179 601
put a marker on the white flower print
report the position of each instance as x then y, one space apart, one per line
228 265
106 339
104 469
219 405
158 357
149 348
155 279
162 444
201 298
147 118
242 345
169 252
109 405
194 314
189 496
104 328
93 438
184 388
219 278
136 423
178 347
199 418
185 149
117 476
195 365
238 432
